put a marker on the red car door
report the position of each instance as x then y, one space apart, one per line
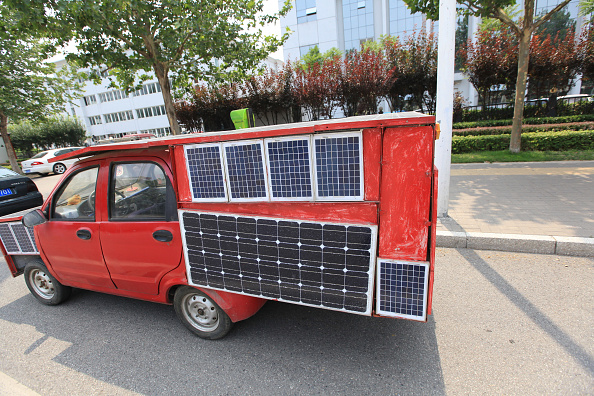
70 239
140 233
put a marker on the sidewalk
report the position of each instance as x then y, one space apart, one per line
536 207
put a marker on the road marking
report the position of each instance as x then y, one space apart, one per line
522 171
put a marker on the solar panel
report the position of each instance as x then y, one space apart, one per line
245 171
205 172
402 289
17 239
289 167
308 263
339 166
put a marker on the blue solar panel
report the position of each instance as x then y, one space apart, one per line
290 168
17 239
245 171
315 264
402 289
206 172
338 167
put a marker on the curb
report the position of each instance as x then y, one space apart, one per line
539 244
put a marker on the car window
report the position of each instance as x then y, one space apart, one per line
7 172
76 198
138 192
40 155
60 152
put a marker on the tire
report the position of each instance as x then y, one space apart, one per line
44 287
59 168
200 314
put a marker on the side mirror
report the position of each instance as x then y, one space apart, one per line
33 218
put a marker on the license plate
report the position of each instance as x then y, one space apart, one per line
6 191
27 170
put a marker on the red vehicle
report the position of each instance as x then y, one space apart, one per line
335 214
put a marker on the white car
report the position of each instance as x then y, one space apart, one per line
39 163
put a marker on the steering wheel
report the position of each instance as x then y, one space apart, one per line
91 201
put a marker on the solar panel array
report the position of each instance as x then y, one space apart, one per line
402 289
307 263
338 166
17 239
245 171
289 167
288 170
206 172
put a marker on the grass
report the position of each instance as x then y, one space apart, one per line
524 156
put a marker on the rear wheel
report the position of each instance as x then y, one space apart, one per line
59 168
44 287
200 314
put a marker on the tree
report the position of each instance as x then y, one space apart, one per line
522 29
559 25
490 61
316 88
31 88
56 131
179 40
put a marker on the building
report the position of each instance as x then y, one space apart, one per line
111 113
346 24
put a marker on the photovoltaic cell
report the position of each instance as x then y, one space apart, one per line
206 172
290 169
17 239
402 289
315 264
338 166
245 171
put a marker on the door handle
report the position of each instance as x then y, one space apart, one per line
163 236
83 234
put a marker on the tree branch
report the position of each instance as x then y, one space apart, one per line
550 14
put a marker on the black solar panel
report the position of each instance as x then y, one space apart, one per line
290 169
206 172
245 171
402 289
339 171
316 264
17 239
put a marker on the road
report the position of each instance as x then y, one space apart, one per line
503 323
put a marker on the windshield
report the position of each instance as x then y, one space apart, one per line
40 155
6 172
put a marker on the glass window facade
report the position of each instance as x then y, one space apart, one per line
306 10
402 22
358 22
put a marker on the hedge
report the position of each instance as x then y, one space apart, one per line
536 129
563 109
526 121
535 141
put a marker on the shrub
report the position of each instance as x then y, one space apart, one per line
527 121
535 141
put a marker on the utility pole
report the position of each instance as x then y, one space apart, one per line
445 100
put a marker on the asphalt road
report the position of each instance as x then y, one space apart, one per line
503 323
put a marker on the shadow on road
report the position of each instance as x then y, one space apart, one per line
284 349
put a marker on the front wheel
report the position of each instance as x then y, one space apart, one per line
200 314
59 168
44 287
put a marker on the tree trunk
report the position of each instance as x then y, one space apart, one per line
8 144
523 59
162 76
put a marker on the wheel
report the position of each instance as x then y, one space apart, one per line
200 314
43 285
59 168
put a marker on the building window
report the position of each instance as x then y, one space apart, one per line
148 89
158 132
358 22
94 120
119 116
304 49
153 111
306 10
110 96
402 22
89 100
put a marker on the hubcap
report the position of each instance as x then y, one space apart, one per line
201 312
42 284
